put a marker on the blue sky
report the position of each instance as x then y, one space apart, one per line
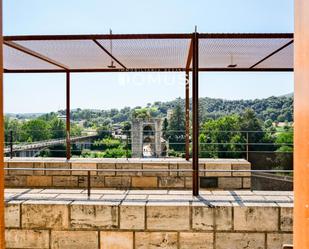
46 92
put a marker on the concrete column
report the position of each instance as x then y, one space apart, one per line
301 125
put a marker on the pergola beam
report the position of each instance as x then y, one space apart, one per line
106 51
148 70
151 36
189 58
271 54
34 54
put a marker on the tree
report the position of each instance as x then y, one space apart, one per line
141 113
104 131
165 128
75 130
57 128
35 130
284 153
176 128
221 138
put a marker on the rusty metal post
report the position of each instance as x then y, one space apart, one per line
195 118
247 147
2 226
301 125
127 145
11 144
88 184
187 102
68 116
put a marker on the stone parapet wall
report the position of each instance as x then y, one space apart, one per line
140 220
125 180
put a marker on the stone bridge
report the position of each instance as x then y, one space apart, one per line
31 149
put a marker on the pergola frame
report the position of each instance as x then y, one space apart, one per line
192 59
301 127
11 41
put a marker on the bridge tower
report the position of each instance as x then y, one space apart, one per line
146 137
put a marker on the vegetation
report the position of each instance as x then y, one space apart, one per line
45 127
273 109
225 128
175 128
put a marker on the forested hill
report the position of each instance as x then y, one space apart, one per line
274 108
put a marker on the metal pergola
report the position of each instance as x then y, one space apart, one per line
191 52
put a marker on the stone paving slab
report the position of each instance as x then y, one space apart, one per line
231 198
118 160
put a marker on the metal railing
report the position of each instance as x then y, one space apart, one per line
247 146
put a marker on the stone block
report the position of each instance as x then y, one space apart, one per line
74 239
202 218
117 181
277 240
144 182
15 181
107 166
246 182
241 166
39 181
196 240
12 215
155 240
116 240
97 181
84 166
65 181
171 182
156 166
173 166
256 218
34 239
188 182
168 217
132 217
286 219
100 216
43 216
39 165
6 165
20 165
132 166
58 165
240 241
229 183
223 218
218 166
186 166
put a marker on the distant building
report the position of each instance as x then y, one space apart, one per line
147 141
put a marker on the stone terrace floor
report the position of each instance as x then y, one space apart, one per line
156 197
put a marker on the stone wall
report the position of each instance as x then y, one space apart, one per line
133 223
132 180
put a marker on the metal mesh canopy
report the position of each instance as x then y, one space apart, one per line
148 52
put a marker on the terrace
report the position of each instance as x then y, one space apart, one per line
190 202
128 218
